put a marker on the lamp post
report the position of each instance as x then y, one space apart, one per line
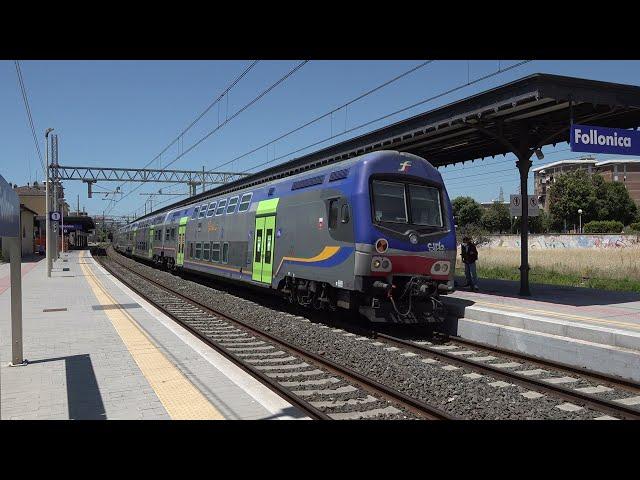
580 220
47 206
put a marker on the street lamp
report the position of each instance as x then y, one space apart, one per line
580 220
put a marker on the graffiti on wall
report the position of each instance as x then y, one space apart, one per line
566 241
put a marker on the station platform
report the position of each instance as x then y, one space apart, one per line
96 350
594 329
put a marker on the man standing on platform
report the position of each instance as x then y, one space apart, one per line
469 254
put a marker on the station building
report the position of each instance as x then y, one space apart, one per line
626 170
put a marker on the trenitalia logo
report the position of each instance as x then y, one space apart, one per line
404 166
585 138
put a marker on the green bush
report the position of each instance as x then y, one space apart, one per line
635 226
603 226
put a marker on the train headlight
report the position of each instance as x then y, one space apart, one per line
380 264
440 268
413 238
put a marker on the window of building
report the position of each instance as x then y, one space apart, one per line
221 205
233 203
225 252
245 201
215 251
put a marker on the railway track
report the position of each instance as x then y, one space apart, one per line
320 387
476 362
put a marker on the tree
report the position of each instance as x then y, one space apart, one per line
614 202
599 200
467 211
569 192
541 223
497 218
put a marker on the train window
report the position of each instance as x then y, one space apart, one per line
195 213
333 213
215 251
212 209
267 247
203 211
198 250
167 233
205 251
221 205
425 206
231 208
190 249
173 233
258 245
245 201
225 252
389 202
345 213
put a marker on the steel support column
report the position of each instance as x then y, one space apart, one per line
524 164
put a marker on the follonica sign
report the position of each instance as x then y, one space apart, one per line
9 210
589 138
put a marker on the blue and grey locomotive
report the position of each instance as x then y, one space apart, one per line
373 234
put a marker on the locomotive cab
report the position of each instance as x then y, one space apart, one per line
407 258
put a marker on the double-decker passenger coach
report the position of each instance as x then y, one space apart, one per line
372 234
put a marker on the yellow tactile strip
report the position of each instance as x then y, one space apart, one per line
181 399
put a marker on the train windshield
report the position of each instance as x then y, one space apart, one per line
406 203
425 206
390 202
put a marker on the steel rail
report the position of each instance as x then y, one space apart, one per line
585 372
599 404
368 384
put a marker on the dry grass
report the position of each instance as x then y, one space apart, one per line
619 263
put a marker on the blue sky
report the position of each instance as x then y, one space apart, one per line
123 113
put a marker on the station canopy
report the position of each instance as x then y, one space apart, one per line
525 114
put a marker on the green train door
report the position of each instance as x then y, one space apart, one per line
180 248
151 232
264 249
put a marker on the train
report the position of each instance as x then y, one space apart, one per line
373 234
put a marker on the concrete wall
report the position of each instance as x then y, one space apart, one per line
567 241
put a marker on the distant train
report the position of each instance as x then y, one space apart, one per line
373 234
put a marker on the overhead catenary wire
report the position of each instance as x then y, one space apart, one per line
228 119
384 117
327 114
25 99
401 110
180 137
330 112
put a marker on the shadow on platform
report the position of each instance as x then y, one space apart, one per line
83 394
559 294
